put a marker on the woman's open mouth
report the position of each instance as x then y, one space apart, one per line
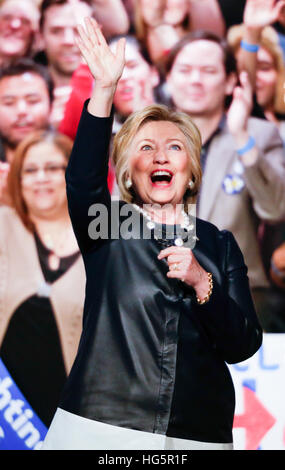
161 178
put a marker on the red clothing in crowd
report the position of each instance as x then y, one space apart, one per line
81 84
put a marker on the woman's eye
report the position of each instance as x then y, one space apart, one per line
146 147
175 147
30 171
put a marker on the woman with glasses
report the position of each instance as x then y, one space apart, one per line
41 271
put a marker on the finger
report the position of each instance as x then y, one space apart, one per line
85 40
245 82
85 52
173 267
238 93
176 258
172 250
91 27
120 49
166 252
176 275
97 30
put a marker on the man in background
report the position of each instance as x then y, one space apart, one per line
19 22
58 22
242 157
26 91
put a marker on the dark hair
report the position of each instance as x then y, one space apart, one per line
229 58
50 3
24 65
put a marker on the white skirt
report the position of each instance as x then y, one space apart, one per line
72 432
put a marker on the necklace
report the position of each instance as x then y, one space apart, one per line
179 240
49 242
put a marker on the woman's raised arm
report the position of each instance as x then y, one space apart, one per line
87 171
105 66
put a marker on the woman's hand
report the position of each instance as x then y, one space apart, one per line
261 13
238 115
105 66
240 109
184 266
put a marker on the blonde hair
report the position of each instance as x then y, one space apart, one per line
269 40
123 139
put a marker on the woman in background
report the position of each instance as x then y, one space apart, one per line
42 273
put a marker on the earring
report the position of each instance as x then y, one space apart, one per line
128 183
191 184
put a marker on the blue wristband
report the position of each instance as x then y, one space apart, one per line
249 47
248 146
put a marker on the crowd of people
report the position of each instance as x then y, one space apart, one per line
221 62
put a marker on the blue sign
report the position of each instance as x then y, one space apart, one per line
20 427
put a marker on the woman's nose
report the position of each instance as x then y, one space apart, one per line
194 76
161 157
41 175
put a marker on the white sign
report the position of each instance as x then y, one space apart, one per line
260 397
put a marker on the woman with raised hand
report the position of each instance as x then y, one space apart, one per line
167 305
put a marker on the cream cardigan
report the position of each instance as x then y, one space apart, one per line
21 277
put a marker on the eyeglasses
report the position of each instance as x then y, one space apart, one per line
51 171
18 21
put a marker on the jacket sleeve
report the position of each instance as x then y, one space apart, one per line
265 180
87 173
229 317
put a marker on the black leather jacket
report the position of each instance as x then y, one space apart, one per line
151 358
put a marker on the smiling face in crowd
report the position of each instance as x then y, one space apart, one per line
58 32
43 181
18 21
24 106
197 80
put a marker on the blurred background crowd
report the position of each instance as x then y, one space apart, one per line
221 62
